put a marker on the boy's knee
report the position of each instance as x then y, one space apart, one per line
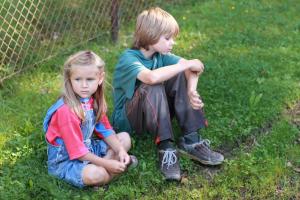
125 140
94 175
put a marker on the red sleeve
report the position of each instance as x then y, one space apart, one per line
67 127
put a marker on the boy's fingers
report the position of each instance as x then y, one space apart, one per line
195 100
197 105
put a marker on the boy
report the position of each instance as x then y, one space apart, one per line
151 86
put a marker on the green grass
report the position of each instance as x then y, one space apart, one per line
252 75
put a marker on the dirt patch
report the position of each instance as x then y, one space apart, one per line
294 113
247 143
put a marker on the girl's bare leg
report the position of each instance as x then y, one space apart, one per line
124 140
95 175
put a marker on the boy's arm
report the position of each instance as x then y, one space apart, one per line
161 74
192 81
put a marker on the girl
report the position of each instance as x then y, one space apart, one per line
74 155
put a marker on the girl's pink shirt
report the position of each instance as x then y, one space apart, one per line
65 124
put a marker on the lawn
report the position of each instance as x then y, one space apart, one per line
251 91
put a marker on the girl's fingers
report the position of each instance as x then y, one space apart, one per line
122 167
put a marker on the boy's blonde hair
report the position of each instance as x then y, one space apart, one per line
83 59
151 24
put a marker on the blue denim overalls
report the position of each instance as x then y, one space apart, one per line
59 163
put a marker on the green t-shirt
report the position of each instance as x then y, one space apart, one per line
125 80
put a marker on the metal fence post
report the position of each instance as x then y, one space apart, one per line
115 20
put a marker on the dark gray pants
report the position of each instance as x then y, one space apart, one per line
153 106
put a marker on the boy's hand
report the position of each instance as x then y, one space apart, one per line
194 65
115 167
124 157
195 100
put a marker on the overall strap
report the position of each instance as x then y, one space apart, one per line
59 103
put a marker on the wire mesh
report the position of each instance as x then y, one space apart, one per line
35 30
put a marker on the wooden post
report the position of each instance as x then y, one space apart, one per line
114 20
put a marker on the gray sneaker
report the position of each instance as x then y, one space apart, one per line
169 164
133 162
200 152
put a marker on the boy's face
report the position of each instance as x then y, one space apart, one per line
164 45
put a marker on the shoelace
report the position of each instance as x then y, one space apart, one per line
169 158
204 142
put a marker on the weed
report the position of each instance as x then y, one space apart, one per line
252 67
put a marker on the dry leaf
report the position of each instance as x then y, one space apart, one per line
289 164
296 169
184 180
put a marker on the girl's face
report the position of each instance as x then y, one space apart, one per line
164 45
85 80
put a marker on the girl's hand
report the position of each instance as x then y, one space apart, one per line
115 167
124 157
195 100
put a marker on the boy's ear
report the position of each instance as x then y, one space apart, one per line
101 75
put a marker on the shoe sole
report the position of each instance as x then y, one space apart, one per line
173 178
205 162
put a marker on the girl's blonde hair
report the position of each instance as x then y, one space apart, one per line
151 24
85 59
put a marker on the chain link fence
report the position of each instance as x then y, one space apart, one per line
33 31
